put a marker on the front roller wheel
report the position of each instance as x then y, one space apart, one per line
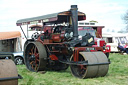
35 55
78 70
84 71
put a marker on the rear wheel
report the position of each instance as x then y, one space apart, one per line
35 55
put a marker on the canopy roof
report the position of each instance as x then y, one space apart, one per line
50 18
9 35
36 26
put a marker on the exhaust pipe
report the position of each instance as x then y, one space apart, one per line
74 12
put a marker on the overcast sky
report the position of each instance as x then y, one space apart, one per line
107 12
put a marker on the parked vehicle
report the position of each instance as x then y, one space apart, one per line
113 39
18 58
6 55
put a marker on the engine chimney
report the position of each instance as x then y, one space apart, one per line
74 13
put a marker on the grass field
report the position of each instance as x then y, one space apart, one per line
117 75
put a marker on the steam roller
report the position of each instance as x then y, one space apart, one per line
8 73
95 64
95 67
58 46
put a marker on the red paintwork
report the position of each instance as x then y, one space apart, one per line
76 52
53 57
99 32
80 49
47 28
100 41
56 38
107 49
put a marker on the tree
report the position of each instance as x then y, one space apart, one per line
125 18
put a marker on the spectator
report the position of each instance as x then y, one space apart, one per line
125 48
121 47
126 45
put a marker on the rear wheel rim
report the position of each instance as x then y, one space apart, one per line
33 57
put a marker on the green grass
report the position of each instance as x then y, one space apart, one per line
117 75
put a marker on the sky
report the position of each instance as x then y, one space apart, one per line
108 13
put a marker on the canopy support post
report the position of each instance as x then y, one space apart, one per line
27 30
23 32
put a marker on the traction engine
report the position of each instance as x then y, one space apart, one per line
59 47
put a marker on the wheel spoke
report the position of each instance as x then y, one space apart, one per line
32 52
34 58
82 70
35 50
37 60
82 67
37 54
36 67
31 63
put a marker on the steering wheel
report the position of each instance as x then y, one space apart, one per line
35 35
